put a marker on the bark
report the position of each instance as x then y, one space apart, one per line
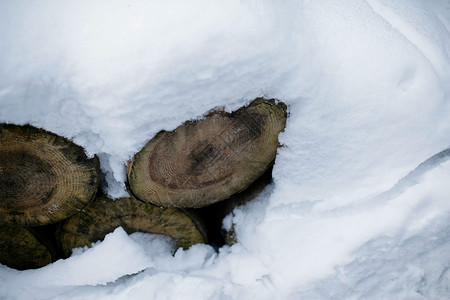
20 249
44 178
104 215
205 161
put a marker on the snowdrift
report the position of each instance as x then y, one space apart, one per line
359 207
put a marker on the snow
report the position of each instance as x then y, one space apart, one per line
359 205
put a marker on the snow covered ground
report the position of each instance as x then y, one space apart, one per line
360 204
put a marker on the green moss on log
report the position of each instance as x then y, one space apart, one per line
104 215
21 250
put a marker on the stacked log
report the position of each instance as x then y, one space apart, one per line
104 215
44 178
20 249
205 161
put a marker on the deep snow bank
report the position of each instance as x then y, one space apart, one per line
367 86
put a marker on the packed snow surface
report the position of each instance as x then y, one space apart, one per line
360 204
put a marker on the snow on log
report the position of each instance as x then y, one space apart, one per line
104 215
205 161
21 250
44 178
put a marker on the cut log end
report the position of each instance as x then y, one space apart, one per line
206 161
104 215
44 178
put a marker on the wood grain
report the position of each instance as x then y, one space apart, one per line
208 160
44 178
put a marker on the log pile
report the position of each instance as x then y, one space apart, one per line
182 184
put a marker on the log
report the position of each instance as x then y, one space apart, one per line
21 250
205 161
44 178
104 215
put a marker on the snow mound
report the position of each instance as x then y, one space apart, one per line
359 205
